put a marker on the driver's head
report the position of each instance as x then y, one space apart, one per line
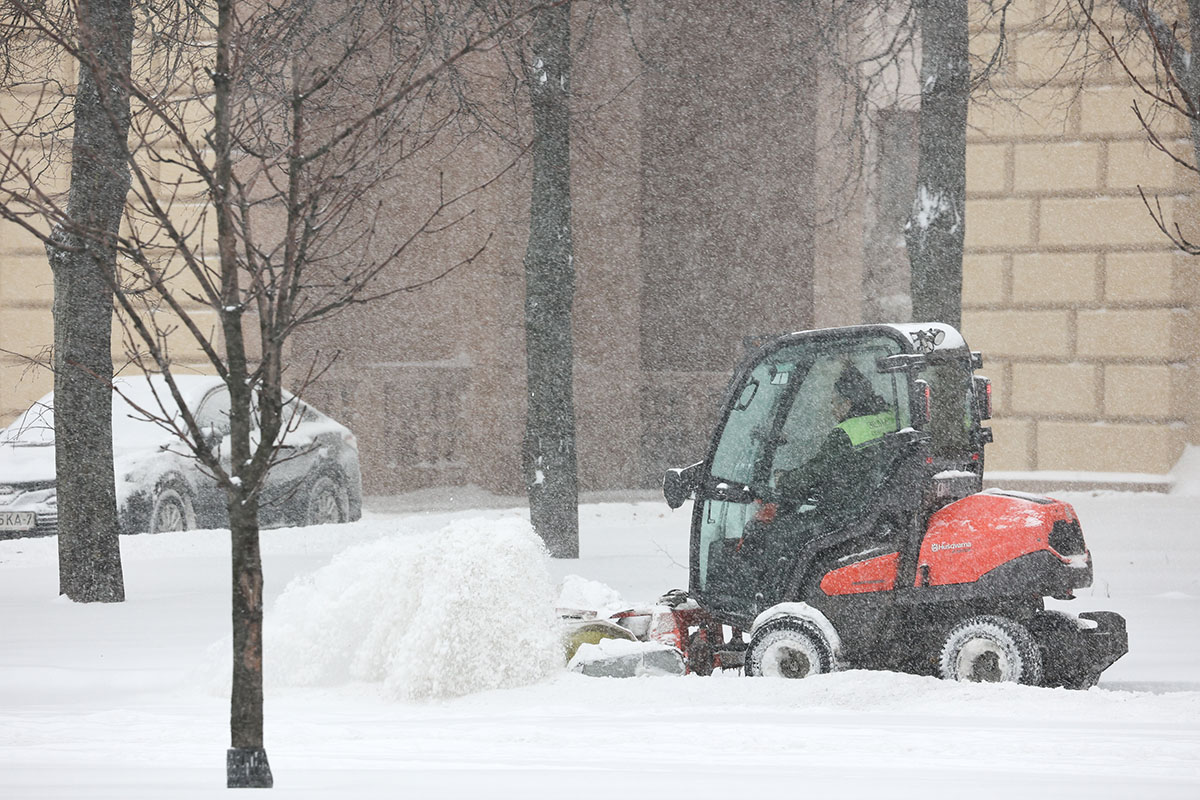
853 395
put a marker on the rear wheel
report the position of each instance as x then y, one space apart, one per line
990 649
172 509
788 648
326 502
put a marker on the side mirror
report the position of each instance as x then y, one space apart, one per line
679 484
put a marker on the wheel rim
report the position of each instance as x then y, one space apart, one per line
983 661
169 517
324 507
786 660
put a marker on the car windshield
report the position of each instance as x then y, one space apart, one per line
131 428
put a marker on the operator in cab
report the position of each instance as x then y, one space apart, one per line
842 468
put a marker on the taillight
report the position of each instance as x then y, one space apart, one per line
983 397
924 404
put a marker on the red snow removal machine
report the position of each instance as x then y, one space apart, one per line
839 522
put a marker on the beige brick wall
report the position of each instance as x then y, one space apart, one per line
1085 312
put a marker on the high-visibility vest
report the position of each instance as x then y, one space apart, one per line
865 430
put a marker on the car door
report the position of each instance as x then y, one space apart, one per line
285 494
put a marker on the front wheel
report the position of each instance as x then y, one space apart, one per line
172 509
326 502
990 649
788 648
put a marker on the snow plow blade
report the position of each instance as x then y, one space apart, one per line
1074 655
620 658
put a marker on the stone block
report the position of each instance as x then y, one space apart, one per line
27 331
1048 279
987 168
1018 14
1140 277
17 239
1056 167
1043 56
1098 222
1107 447
1012 445
1138 390
26 279
1157 334
1045 114
1019 334
1137 163
984 279
20 385
1108 111
1055 389
999 223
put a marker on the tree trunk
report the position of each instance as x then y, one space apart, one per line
246 763
935 231
246 760
549 447
83 260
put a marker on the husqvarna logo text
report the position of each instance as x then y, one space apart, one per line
951 546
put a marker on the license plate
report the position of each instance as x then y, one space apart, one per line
17 520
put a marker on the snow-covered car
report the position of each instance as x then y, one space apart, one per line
159 488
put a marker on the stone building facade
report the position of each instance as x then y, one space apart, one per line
710 208
1085 310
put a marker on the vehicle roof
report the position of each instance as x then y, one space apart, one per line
921 337
141 389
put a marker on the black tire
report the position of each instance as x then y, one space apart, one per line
326 502
699 655
788 648
172 508
990 649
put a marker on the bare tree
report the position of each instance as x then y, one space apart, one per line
1172 89
267 156
893 60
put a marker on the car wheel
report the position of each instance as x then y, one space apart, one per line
172 509
326 502
990 649
788 648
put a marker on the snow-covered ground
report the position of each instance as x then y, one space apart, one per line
406 655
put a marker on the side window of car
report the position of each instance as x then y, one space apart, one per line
214 411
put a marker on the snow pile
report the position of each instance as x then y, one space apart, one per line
460 610
1185 475
577 593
